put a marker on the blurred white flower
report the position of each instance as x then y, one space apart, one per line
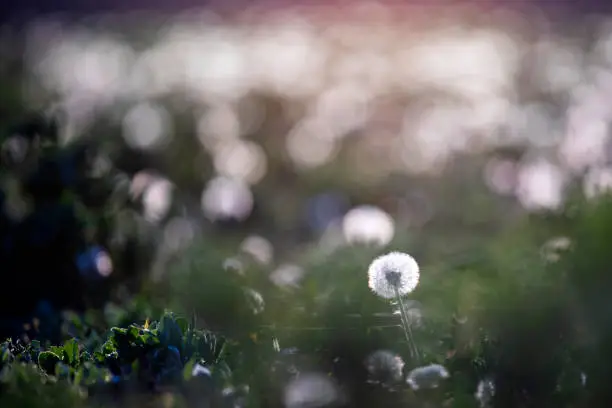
179 232
146 126
242 160
369 225
157 199
541 185
485 392
200 371
384 367
427 376
14 149
310 390
234 265
254 300
287 275
597 182
259 248
501 175
553 249
392 271
104 264
227 199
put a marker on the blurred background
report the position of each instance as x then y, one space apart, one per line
149 152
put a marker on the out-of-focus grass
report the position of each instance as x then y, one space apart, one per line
493 305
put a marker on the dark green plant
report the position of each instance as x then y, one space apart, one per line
169 352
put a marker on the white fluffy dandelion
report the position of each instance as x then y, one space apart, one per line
392 274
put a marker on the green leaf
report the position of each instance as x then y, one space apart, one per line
150 339
71 352
134 334
99 357
120 339
170 332
188 369
57 350
108 347
78 376
5 355
118 331
47 361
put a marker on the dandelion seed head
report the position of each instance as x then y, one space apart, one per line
391 271
384 367
427 376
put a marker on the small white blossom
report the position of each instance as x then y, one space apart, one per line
391 271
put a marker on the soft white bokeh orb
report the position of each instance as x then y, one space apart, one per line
226 198
368 224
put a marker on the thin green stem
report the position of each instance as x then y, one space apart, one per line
406 326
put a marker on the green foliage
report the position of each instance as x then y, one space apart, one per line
201 283
162 353
24 385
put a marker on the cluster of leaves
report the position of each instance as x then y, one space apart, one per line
167 355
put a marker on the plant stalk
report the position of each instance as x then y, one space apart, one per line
406 326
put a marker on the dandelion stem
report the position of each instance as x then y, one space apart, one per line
406 326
